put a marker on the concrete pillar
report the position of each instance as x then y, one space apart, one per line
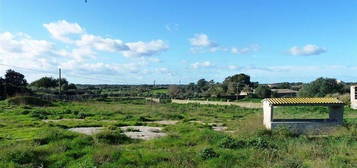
268 114
336 113
353 97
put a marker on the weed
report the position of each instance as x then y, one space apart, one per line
208 153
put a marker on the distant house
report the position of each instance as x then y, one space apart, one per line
273 85
285 92
245 93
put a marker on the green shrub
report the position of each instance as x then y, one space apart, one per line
28 100
23 154
53 134
112 137
40 114
104 154
208 153
231 143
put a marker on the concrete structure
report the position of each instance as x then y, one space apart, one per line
354 97
336 109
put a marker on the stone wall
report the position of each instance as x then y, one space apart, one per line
241 104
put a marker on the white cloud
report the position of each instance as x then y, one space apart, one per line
201 43
307 50
202 40
145 48
78 54
102 44
246 50
21 50
233 67
172 27
204 64
83 53
61 29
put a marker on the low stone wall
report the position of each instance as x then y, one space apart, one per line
240 104
156 100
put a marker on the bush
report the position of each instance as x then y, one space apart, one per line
23 154
40 114
208 153
112 137
231 143
263 91
345 98
28 100
53 134
105 154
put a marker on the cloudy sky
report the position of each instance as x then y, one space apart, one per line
139 41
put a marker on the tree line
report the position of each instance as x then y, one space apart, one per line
14 83
239 85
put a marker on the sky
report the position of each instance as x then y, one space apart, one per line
181 41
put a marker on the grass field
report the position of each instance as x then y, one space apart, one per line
26 140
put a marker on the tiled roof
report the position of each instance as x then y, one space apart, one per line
298 101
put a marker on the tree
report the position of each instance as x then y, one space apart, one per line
321 87
202 85
216 90
284 85
2 89
235 84
45 82
263 91
14 82
174 91
71 86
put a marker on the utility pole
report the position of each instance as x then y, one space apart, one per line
59 81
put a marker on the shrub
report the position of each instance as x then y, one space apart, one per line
263 91
105 154
28 100
345 98
112 137
53 134
23 154
208 153
231 143
40 114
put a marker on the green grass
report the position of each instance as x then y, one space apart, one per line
159 91
27 141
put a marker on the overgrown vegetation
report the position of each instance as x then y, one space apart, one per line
27 140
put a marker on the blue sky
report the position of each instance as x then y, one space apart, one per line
139 41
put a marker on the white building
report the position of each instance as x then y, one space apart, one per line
354 97
336 108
